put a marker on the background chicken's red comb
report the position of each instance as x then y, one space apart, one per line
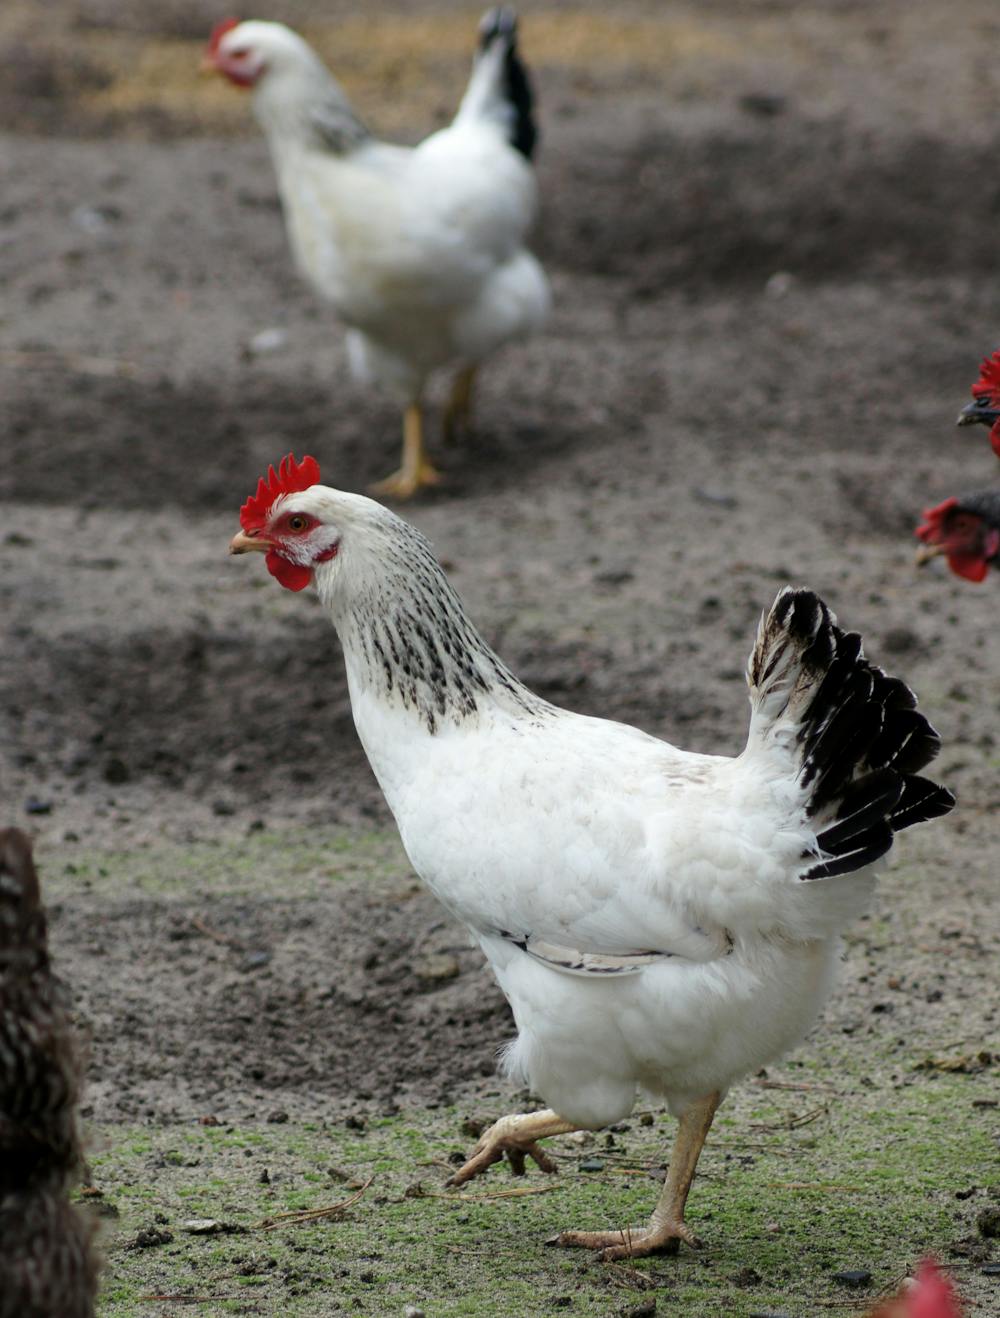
290 477
988 384
933 517
223 26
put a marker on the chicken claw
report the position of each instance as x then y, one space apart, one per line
416 470
626 1244
514 1137
404 484
667 1227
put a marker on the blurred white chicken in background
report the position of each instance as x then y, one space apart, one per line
419 249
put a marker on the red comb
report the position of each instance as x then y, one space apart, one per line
219 31
934 518
290 478
988 384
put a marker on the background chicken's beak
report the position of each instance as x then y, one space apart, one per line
977 412
922 557
242 543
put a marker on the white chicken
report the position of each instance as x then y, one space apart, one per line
660 921
420 250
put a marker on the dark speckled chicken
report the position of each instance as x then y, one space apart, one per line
48 1266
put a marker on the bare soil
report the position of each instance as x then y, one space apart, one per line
771 230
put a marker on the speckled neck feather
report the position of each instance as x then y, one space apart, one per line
312 111
407 637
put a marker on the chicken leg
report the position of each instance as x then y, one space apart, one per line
666 1227
416 470
458 414
514 1136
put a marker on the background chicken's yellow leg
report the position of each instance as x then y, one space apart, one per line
458 413
514 1136
666 1227
416 470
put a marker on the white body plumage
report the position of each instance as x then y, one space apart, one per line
643 908
605 841
659 920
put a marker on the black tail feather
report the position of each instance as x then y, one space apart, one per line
868 801
842 740
907 742
861 738
921 800
866 849
500 24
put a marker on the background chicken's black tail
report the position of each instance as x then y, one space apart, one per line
856 733
500 83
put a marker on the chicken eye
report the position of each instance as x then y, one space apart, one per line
297 522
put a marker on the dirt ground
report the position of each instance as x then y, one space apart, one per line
771 231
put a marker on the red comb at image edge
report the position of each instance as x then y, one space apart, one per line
223 26
290 477
988 384
930 1295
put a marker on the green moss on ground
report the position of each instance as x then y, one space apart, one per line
796 1184
303 861
859 1164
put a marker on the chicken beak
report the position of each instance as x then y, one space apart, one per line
923 555
244 542
980 412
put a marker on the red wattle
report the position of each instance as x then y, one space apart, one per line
966 565
293 576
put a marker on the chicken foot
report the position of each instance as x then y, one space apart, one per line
458 414
666 1227
514 1137
416 470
